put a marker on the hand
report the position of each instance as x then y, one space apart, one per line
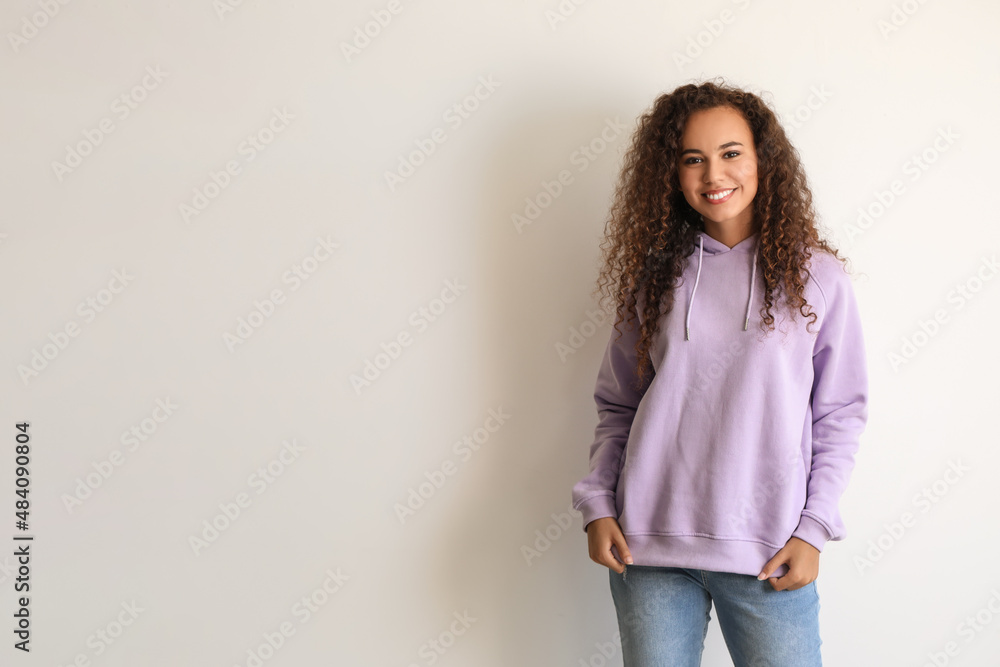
803 565
601 535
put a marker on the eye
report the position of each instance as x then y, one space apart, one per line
731 152
689 160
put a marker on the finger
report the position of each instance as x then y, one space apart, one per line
608 557
609 561
789 581
623 548
770 566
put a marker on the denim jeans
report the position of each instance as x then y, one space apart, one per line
663 615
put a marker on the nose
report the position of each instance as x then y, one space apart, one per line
713 171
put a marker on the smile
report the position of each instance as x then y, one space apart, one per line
719 197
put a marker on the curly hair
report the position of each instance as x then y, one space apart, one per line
651 229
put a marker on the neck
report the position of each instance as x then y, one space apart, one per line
728 234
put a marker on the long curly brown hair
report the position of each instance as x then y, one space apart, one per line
652 230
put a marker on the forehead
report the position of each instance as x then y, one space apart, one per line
721 123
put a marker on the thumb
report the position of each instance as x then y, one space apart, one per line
773 564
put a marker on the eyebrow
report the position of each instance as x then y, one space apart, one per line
726 145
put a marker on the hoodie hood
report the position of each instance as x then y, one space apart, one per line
710 246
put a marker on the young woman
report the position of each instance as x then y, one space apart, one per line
732 401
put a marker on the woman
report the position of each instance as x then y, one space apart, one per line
732 401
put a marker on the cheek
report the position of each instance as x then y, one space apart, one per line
687 184
748 177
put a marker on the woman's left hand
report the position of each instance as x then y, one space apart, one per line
803 565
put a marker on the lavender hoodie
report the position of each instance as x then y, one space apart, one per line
738 441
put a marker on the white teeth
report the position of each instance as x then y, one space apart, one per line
721 195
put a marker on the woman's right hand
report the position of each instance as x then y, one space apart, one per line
601 535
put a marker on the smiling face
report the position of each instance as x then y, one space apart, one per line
717 168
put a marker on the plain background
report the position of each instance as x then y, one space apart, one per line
866 90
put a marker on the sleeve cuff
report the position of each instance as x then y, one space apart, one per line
812 531
598 507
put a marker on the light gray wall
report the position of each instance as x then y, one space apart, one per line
471 408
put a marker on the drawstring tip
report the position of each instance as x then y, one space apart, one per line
687 333
746 324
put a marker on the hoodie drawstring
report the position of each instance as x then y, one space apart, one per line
753 278
687 322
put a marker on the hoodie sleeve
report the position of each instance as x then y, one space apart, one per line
839 410
617 400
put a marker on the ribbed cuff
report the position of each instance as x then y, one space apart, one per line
812 531
597 507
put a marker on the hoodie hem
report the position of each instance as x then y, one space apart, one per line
704 553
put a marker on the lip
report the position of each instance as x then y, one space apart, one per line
718 201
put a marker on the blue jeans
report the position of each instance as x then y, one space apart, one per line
663 615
